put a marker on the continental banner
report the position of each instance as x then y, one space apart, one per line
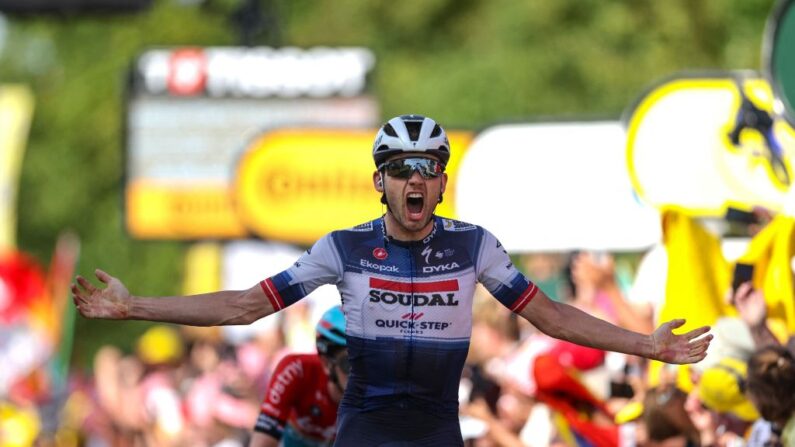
16 112
702 143
295 185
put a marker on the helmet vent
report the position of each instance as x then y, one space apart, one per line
414 129
389 130
436 131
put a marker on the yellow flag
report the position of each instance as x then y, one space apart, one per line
697 279
771 252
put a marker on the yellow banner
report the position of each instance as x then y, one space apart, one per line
16 112
161 211
297 185
703 143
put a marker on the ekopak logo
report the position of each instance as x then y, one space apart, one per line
380 253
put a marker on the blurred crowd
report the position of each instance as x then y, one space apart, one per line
743 393
186 386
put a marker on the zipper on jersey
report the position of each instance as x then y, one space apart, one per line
410 350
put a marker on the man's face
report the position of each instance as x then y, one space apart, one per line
412 200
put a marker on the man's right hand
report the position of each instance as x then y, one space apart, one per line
750 304
111 302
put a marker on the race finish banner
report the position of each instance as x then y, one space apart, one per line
779 55
193 112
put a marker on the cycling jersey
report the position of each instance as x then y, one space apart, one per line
408 306
297 407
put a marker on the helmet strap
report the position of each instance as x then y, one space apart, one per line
383 190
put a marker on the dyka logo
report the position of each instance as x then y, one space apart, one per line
440 268
412 316
380 253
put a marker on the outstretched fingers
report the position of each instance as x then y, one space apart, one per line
673 324
695 333
700 345
86 285
102 276
697 357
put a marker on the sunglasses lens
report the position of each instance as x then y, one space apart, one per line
398 169
405 168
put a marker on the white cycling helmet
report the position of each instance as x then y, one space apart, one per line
410 133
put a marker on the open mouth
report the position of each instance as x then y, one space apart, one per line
415 203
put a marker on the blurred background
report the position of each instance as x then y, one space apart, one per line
624 152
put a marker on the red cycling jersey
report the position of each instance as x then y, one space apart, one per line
297 394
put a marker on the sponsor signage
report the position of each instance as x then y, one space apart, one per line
701 143
296 185
258 72
554 186
193 112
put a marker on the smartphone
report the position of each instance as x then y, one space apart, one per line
742 273
741 216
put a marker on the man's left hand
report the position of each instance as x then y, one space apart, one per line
683 348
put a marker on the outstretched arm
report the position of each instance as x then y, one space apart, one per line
601 275
209 309
568 323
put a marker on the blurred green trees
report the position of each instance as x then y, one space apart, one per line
467 63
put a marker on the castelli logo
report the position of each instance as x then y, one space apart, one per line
379 253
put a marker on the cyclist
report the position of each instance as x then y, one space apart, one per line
299 408
407 282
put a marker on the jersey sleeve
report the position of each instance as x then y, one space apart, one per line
500 277
280 396
317 266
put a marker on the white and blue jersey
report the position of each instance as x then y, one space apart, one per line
408 306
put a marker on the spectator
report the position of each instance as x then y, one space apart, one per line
771 387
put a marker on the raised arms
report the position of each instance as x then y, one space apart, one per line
568 323
115 302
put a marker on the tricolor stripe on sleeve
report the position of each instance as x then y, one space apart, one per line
525 298
517 294
273 294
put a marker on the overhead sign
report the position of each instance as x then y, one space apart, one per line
779 61
257 72
703 143
296 185
192 113
556 186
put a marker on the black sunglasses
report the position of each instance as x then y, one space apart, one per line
405 167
